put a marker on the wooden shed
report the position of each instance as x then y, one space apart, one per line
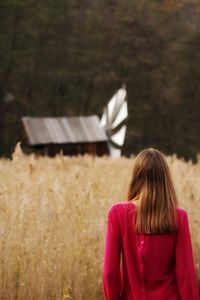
69 135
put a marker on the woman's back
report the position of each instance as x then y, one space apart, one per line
154 266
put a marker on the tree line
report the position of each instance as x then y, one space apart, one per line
68 57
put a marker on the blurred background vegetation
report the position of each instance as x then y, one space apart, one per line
68 57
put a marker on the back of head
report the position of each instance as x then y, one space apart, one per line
152 185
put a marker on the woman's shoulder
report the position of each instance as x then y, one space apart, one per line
181 211
120 207
120 210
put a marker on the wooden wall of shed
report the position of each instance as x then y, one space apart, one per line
99 149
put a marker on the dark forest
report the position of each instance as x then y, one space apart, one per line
68 57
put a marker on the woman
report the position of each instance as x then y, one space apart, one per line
148 250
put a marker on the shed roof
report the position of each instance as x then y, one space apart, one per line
62 130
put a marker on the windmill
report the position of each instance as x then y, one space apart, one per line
114 121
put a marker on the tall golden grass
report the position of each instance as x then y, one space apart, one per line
53 215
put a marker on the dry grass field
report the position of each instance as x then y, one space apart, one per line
53 214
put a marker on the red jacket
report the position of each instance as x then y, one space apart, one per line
153 266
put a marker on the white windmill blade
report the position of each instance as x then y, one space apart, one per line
114 105
117 139
110 107
116 142
113 120
122 115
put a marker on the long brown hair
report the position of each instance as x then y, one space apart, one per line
152 184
